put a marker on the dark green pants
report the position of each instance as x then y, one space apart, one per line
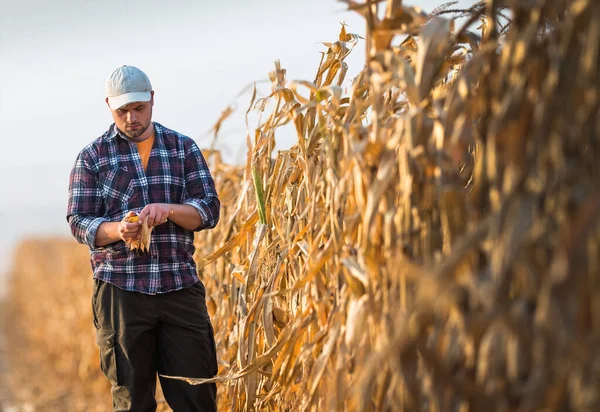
140 335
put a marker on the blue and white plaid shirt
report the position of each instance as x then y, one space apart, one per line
108 180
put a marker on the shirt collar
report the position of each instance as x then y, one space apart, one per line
113 132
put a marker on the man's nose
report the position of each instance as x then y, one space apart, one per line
131 117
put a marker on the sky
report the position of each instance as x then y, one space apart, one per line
56 55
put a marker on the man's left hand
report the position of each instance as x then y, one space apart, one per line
157 213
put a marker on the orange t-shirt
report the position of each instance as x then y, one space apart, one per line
144 149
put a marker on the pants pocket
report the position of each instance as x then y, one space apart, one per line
106 339
214 365
94 298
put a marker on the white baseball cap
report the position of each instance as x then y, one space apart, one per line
127 84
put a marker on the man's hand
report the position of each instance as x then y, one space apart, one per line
111 232
129 231
157 213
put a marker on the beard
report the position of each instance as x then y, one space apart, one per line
135 131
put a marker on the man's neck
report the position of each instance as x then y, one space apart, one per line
148 133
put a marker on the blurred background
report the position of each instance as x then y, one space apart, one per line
476 231
199 55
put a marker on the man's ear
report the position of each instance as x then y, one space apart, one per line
151 97
106 100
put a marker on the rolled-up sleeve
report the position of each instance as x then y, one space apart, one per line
85 200
200 188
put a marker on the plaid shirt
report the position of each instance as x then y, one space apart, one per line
108 180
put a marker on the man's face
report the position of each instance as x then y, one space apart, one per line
133 119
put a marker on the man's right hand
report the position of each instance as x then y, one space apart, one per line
111 232
129 231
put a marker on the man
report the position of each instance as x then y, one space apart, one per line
149 306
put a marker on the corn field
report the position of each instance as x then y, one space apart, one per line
431 242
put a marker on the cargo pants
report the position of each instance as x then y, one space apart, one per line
140 335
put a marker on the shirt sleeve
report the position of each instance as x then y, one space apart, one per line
200 188
85 201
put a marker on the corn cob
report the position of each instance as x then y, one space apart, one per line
143 242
